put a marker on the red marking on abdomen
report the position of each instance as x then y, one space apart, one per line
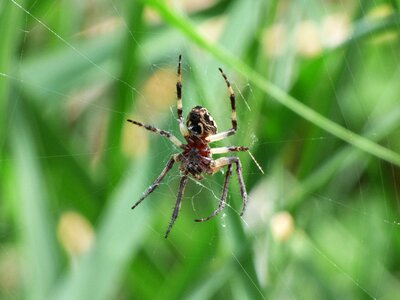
199 144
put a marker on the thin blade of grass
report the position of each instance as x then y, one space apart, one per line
125 96
38 241
186 27
119 236
9 26
343 158
366 27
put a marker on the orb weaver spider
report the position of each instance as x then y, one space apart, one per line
196 156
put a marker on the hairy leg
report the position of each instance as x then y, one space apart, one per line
161 132
222 202
155 184
179 106
223 161
178 203
232 131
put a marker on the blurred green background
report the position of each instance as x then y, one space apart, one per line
317 85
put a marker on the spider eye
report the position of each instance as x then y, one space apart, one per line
198 128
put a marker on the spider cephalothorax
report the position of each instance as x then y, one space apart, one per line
200 122
196 156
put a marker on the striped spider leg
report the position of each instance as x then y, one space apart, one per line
161 132
232 131
182 126
164 172
174 158
228 161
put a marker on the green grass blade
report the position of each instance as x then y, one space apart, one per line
118 237
10 18
184 25
129 52
36 231
342 158
369 26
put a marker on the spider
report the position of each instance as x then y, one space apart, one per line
196 156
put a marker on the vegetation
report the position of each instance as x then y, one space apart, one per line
317 102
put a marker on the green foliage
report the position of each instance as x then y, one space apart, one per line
317 102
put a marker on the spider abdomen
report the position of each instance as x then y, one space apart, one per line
196 159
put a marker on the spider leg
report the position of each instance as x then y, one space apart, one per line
232 131
227 149
178 203
222 202
155 184
182 126
223 161
161 132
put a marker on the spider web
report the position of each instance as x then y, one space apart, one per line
89 104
